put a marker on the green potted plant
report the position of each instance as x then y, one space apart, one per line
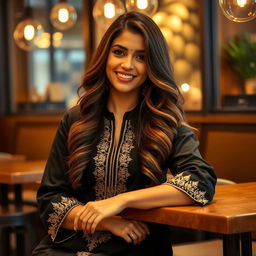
242 53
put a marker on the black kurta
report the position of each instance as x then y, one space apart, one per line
114 170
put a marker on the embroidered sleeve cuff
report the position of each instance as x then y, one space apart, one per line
188 186
60 210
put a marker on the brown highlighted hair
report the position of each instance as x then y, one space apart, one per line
160 106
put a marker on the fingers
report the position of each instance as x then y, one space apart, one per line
137 231
96 221
127 238
87 219
144 227
77 218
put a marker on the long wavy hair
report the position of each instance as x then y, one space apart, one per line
160 104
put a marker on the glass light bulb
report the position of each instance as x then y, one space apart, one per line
239 10
63 16
241 3
142 4
29 32
106 11
26 32
148 7
109 10
185 87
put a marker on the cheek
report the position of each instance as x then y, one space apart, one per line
143 71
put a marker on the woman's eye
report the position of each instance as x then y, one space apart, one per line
141 57
118 52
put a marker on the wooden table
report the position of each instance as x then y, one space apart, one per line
232 213
17 174
5 157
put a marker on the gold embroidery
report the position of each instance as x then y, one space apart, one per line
60 209
124 159
97 238
111 171
189 186
100 160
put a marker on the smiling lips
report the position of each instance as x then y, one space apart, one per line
124 77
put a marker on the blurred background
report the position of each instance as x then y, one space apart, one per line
213 56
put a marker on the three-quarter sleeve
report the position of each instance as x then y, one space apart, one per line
55 195
189 171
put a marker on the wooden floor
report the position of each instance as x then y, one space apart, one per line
206 248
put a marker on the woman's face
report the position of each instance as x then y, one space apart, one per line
126 67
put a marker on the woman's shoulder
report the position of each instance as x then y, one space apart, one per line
185 130
72 115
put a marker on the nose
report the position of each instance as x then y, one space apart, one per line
127 63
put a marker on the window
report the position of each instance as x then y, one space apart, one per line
237 90
47 77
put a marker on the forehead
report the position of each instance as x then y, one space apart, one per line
129 40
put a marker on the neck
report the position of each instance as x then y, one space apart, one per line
119 103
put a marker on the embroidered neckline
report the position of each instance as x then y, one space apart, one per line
111 172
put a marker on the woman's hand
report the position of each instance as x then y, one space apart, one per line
92 213
130 230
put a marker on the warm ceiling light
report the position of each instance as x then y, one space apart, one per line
185 87
142 4
63 16
241 3
148 7
239 10
107 10
26 32
29 32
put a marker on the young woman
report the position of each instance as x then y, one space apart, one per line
114 149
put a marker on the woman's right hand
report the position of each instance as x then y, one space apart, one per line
130 230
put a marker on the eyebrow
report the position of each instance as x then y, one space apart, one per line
124 48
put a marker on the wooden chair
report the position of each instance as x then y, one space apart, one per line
19 219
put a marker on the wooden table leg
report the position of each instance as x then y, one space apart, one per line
246 241
231 245
20 241
18 194
3 194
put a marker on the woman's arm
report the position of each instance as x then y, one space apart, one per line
89 216
158 196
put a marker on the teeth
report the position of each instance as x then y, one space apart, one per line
125 76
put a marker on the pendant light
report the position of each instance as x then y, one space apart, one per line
27 31
63 15
106 11
148 7
239 10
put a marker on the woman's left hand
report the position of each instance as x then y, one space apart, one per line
93 212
